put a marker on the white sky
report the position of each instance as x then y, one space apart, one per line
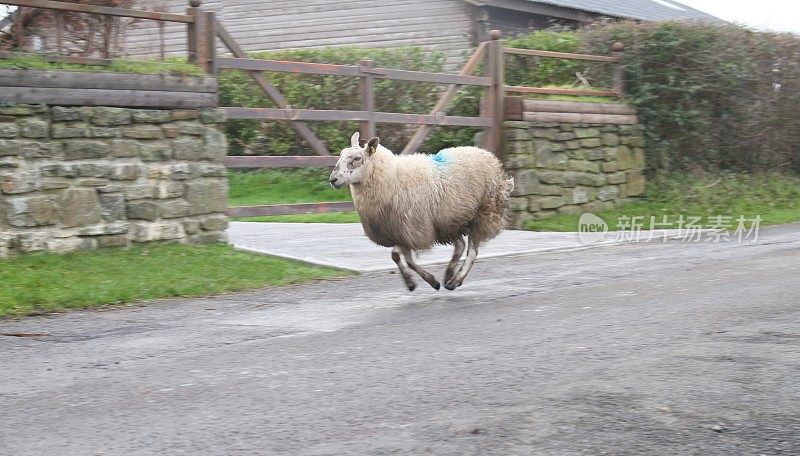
775 15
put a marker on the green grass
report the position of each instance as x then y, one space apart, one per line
325 217
773 197
305 185
46 282
171 65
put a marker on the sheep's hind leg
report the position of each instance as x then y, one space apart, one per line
458 250
426 276
472 253
403 272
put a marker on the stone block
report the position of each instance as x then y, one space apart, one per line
28 149
104 132
69 244
187 149
610 139
635 184
9 130
624 157
549 190
155 151
150 115
126 171
71 130
138 191
617 178
142 132
215 146
112 206
206 196
79 207
157 231
33 128
217 222
584 166
586 133
578 195
551 202
93 169
516 134
113 240
594 154
208 237
29 211
169 189
183 114
106 116
65 114
32 241
173 208
191 226
85 149
591 179
638 159
20 182
564 136
125 148
609 167
551 177
142 210
525 182
608 193
569 209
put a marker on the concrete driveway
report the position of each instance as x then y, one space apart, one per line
658 349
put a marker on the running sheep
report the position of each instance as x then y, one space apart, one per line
411 202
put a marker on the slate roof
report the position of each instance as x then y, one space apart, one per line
647 10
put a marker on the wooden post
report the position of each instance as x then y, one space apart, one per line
196 31
211 43
59 32
368 129
619 75
494 96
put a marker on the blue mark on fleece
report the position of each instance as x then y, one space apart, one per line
439 159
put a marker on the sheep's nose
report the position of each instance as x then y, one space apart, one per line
333 180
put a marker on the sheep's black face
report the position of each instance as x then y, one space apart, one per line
350 167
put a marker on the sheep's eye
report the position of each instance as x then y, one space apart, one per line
356 158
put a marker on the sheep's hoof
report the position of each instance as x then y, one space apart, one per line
450 286
411 286
436 285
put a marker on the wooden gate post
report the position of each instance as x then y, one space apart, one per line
494 96
196 33
368 130
619 75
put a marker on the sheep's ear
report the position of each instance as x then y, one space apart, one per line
362 143
372 145
354 140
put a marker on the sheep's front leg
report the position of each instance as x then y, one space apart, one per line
458 250
403 272
472 253
426 276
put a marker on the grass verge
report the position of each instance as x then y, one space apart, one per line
170 65
772 196
46 282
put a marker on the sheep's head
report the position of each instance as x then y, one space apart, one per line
353 161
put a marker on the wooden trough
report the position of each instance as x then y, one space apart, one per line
80 88
517 108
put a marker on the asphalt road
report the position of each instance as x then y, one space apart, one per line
648 349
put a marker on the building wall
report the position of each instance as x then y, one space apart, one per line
443 25
78 178
564 168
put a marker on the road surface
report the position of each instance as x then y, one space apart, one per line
645 349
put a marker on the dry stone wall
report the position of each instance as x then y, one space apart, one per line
563 168
77 178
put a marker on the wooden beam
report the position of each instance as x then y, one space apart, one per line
577 107
59 58
109 81
105 97
350 70
279 161
104 10
289 209
323 115
367 87
557 91
495 105
444 101
271 91
513 108
560 55
570 117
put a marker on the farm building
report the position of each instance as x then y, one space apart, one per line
450 26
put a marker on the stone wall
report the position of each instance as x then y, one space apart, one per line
563 168
76 178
